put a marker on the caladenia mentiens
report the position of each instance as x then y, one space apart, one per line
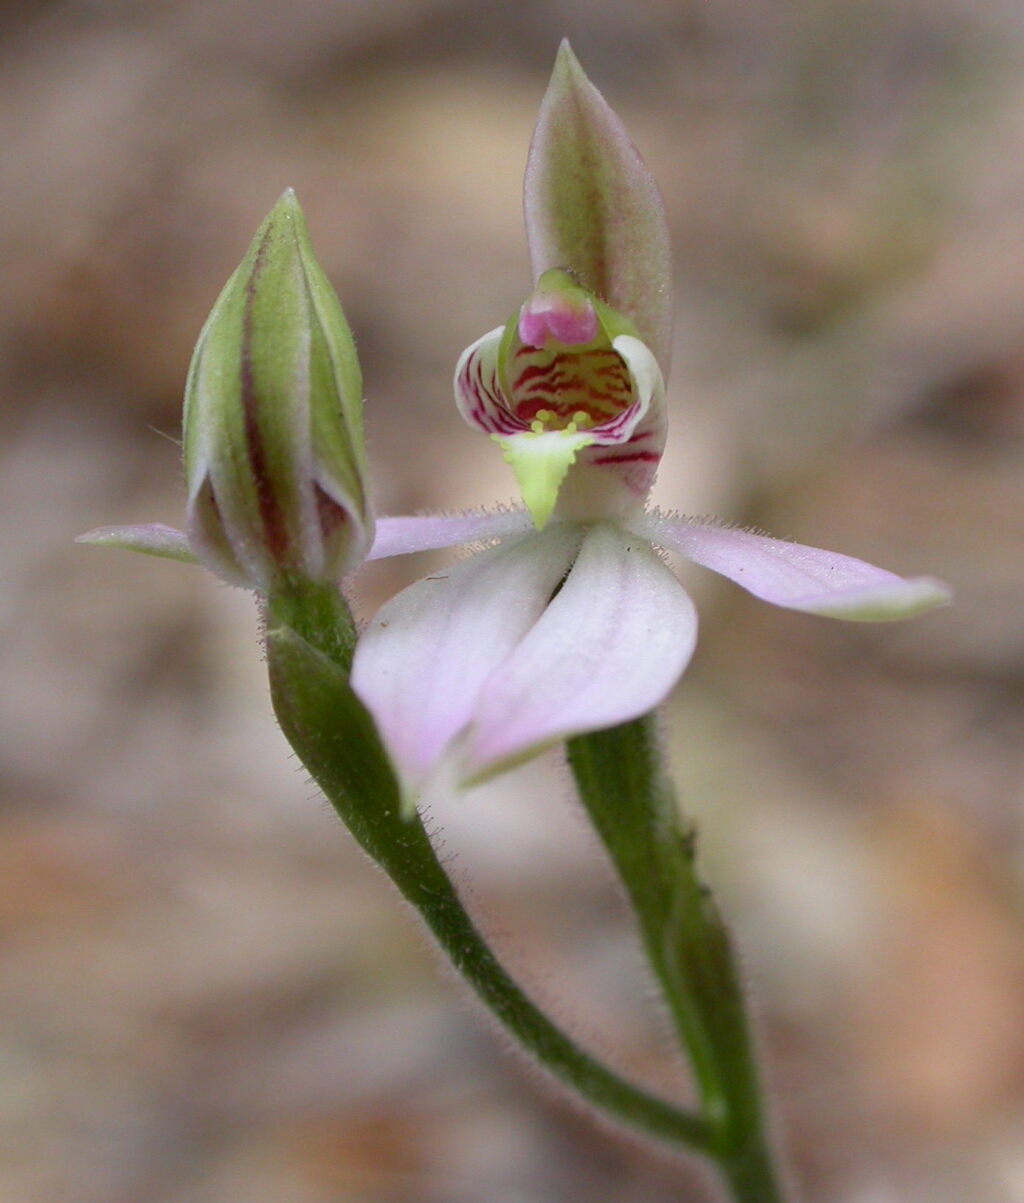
567 627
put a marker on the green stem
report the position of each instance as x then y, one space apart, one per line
319 613
753 1178
633 806
337 741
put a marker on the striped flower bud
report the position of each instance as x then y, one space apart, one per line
274 456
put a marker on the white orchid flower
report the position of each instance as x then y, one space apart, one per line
570 621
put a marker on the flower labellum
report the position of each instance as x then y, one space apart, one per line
566 385
275 463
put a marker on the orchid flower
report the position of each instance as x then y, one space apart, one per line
569 620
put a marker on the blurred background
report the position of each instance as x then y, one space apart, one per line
207 994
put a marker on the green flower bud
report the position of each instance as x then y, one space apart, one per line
275 461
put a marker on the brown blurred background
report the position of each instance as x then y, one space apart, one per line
208 995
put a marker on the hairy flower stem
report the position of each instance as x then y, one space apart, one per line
336 740
633 806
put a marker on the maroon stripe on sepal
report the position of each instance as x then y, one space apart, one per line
275 530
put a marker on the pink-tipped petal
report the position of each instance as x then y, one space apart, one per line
795 576
421 663
152 539
608 649
428 532
593 207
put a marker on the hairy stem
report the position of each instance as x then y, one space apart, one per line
633 806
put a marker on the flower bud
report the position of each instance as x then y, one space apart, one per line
275 461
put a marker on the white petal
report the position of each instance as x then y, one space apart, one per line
795 576
608 649
428 532
420 664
